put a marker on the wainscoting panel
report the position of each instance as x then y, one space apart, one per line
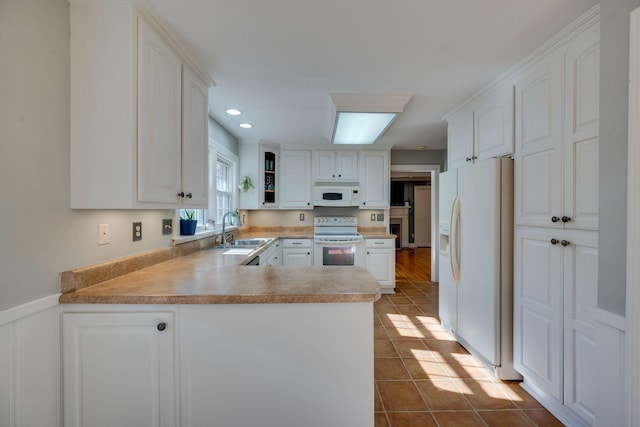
30 364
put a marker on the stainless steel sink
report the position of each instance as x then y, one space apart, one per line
244 243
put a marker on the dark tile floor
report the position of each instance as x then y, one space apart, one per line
425 378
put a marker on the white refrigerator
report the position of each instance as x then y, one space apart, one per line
476 261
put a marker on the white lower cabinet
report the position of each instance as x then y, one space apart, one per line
119 368
297 252
273 254
380 260
231 365
555 279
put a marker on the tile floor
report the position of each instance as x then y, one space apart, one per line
425 378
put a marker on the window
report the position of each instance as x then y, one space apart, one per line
224 184
222 188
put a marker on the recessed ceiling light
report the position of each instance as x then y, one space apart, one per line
246 125
421 147
233 112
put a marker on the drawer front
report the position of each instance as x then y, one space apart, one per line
380 243
296 243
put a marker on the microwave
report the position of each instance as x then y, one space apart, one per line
336 195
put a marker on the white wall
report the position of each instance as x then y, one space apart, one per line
40 235
291 218
222 136
614 87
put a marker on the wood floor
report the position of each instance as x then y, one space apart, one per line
423 377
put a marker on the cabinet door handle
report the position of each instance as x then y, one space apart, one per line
308 203
308 253
468 159
554 241
565 243
368 253
162 326
474 157
339 175
566 219
555 219
189 195
181 194
333 176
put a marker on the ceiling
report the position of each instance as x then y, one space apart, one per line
278 60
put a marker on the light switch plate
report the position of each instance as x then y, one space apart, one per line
373 217
167 226
104 236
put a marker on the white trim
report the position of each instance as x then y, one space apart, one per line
608 318
633 230
435 172
28 309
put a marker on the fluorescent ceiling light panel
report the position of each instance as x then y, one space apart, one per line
362 118
361 128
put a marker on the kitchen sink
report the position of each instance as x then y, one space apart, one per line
244 244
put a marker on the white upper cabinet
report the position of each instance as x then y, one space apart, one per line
460 139
335 165
557 167
482 130
138 127
493 125
159 118
295 179
195 129
260 162
374 179
538 166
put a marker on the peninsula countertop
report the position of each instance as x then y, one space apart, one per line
211 276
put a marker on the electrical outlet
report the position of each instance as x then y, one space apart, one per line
380 217
137 231
104 236
301 217
373 217
167 226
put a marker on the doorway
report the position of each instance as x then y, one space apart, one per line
430 173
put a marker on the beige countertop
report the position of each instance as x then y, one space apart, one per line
211 276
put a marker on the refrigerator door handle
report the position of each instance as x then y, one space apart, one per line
454 240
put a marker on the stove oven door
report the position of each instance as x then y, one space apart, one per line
349 253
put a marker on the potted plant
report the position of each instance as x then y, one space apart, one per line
188 223
245 184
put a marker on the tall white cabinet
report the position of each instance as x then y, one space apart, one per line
138 134
556 214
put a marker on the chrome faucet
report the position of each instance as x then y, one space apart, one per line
224 217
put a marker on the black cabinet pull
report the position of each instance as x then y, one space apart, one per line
181 194
308 253
566 219
162 326
468 159
565 243
555 219
554 241
189 195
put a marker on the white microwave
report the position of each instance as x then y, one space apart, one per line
336 195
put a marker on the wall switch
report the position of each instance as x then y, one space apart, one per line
380 217
373 217
301 217
167 226
104 237
137 231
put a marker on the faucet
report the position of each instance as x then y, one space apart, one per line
224 217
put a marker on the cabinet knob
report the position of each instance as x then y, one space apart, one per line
339 175
555 219
468 159
554 241
566 219
333 176
565 243
308 203
162 326
181 194
189 195
364 203
308 253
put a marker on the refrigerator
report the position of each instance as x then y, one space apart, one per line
476 261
